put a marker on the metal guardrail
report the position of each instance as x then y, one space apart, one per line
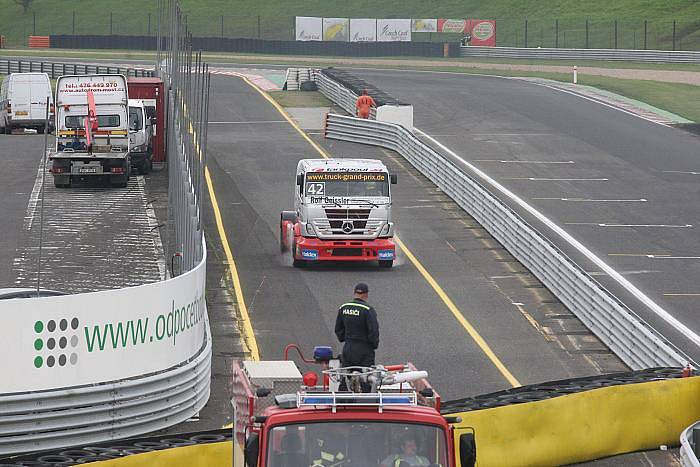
690 446
632 340
658 56
55 70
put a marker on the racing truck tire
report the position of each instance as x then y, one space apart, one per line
119 181
288 216
297 263
386 263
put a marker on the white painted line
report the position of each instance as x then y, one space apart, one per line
536 179
592 200
564 235
524 162
510 134
666 226
419 206
682 295
680 172
652 256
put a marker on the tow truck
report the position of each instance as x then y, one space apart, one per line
92 138
283 418
342 213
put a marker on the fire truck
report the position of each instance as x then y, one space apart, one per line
342 213
283 418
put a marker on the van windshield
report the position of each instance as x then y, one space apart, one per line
347 184
135 118
103 121
363 443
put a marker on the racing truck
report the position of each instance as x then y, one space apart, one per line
283 418
342 213
92 130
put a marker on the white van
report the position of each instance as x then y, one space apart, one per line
23 101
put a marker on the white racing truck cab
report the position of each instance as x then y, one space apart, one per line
342 213
140 136
92 130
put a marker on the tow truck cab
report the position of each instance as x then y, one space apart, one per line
342 212
317 427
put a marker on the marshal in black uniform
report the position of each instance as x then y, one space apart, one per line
357 326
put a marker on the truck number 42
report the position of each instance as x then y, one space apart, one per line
315 188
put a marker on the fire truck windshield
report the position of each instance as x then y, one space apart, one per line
347 184
365 444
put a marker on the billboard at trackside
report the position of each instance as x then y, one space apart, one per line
452 25
363 30
74 340
424 25
483 32
309 28
335 29
393 30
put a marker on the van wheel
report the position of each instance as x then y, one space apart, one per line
8 130
386 263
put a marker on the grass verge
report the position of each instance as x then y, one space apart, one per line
300 99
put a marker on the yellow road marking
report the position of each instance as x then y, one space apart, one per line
247 331
418 265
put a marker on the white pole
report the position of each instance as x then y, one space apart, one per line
575 75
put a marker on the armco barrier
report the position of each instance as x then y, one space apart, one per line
659 56
105 365
54 70
627 335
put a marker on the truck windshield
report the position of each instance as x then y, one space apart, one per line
347 184
135 118
103 121
366 444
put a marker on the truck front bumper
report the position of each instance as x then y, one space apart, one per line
314 249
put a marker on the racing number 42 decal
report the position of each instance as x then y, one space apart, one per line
316 188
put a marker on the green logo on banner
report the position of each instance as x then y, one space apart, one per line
56 340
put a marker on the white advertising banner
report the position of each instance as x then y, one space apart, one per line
335 29
309 28
424 25
74 340
393 30
363 30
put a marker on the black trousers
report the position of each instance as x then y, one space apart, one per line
357 353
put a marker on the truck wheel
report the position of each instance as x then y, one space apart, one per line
120 182
286 217
297 263
8 130
386 263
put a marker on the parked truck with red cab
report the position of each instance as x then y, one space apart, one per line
283 418
342 212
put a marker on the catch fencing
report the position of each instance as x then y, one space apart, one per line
143 363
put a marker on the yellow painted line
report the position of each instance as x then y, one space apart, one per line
418 265
247 331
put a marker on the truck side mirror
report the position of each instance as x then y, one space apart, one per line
467 449
300 179
393 179
153 120
252 447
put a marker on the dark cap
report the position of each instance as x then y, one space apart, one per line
361 288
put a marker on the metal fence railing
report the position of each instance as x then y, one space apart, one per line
627 335
56 69
657 56
690 446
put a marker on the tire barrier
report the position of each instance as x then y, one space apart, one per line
357 85
551 389
242 45
584 426
98 453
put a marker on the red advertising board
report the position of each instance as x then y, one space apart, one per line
483 32
452 25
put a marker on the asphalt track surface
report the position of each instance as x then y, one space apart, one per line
252 156
625 187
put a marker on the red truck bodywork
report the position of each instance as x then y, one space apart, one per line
152 88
